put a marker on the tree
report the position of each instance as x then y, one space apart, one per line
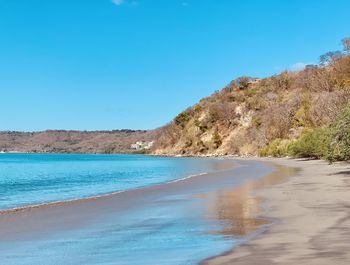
244 82
330 57
346 44
182 118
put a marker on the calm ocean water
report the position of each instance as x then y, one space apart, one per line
178 230
27 179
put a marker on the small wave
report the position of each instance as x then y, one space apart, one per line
85 199
100 196
188 177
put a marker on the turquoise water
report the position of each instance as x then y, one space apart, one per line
27 179
176 228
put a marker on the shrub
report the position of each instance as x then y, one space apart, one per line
282 81
257 121
302 116
182 118
331 143
220 112
243 82
314 143
216 139
340 142
197 108
326 107
277 148
278 121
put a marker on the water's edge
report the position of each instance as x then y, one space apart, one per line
92 198
21 223
292 171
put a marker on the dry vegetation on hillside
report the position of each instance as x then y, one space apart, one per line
59 141
252 116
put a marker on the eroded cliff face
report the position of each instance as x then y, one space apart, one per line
250 114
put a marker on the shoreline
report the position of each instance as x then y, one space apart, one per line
86 199
232 183
312 216
218 205
22 223
64 202
68 201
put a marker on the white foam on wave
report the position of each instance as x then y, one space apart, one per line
188 177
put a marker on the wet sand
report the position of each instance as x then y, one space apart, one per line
43 220
312 219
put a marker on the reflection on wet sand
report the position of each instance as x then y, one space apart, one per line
238 209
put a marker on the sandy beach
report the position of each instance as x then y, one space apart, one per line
312 217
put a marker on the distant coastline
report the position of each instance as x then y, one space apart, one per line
72 141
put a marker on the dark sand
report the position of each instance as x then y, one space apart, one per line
313 213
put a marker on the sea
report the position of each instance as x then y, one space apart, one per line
182 229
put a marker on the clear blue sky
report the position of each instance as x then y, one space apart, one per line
103 64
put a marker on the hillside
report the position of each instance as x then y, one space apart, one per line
266 116
59 141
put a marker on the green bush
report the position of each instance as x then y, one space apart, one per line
314 143
277 148
302 116
182 118
340 138
197 108
331 143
